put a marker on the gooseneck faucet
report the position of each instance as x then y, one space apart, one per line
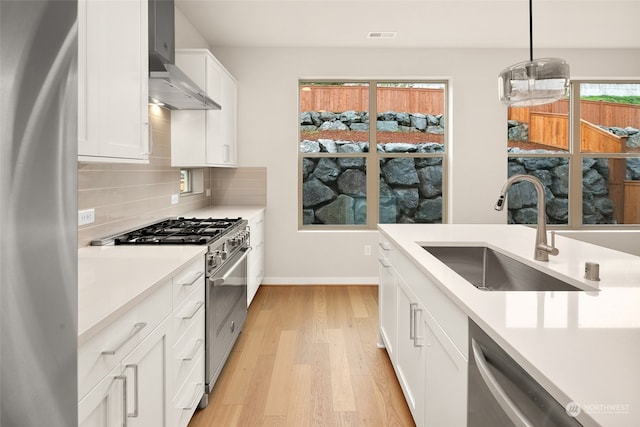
542 249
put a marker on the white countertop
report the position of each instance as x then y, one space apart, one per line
583 347
112 279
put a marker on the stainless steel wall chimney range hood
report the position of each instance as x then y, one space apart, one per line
167 83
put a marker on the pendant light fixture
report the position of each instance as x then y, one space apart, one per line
534 82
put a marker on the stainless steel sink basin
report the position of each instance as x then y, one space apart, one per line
490 270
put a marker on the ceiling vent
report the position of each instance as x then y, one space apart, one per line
382 35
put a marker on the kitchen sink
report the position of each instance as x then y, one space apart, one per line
489 270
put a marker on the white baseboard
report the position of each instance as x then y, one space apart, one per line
320 280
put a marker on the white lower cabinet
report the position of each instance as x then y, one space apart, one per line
104 405
425 335
255 263
387 299
147 367
146 371
411 353
134 392
445 398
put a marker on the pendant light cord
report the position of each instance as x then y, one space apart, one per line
531 30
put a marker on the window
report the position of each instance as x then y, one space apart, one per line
585 150
185 181
191 181
371 152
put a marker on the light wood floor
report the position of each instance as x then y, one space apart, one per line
307 356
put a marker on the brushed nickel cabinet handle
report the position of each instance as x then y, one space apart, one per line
123 378
194 351
134 366
196 307
198 276
412 318
195 398
418 341
136 328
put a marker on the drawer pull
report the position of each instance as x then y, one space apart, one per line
123 378
194 351
196 307
198 275
196 397
384 262
385 246
134 414
136 328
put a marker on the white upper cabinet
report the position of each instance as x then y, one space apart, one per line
205 138
113 78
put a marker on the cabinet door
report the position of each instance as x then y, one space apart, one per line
113 81
188 136
229 120
214 79
411 351
222 124
255 264
147 370
387 306
104 405
446 379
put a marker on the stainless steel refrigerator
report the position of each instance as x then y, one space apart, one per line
38 213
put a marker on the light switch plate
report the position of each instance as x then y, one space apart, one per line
175 198
86 216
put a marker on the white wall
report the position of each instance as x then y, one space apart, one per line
187 37
268 136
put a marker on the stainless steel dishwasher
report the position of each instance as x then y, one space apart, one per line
502 394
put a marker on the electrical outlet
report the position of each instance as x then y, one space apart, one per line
208 192
87 216
367 250
175 199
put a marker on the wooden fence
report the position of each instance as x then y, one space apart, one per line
356 98
552 129
431 101
599 112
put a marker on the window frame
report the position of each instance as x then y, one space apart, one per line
576 158
372 157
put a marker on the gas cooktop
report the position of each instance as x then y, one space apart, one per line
178 231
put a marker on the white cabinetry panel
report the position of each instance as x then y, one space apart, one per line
255 266
113 78
206 138
426 337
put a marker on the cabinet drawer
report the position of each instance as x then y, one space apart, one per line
185 282
188 350
106 349
185 314
187 398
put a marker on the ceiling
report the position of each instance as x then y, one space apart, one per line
418 23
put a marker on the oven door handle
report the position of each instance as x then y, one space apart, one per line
217 281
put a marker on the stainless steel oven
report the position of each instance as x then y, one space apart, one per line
226 299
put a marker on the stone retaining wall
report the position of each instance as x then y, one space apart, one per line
388 121
334 188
